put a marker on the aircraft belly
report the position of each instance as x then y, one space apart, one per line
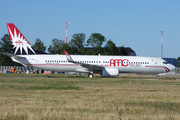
60 68
141 70
131 70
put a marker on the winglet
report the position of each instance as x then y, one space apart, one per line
68 57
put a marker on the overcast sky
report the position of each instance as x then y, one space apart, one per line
132 23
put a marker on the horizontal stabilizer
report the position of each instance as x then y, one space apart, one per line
14 56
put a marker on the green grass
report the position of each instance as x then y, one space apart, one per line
36 84
76 97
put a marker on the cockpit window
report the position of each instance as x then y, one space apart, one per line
165 63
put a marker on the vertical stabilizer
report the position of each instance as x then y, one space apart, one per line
20 43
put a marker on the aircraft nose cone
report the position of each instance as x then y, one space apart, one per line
171 67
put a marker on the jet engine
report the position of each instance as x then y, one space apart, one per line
108 71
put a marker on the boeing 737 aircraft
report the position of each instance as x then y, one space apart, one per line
26 55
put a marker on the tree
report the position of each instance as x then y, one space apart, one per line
65 47
96 40
6 47
110 48
121 51
178 59
82 51
77 40
56 46
178 65
39 45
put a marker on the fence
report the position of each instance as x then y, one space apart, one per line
31 69
18 68
177 70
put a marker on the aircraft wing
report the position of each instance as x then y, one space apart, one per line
88 66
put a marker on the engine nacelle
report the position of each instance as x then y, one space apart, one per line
109 71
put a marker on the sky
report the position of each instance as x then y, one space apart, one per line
129 23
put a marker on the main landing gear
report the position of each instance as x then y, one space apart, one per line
90 75
157 77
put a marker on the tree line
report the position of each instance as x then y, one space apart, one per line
76 46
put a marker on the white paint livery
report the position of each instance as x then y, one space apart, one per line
105 65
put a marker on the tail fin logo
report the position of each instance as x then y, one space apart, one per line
18 40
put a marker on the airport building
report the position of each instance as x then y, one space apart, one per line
172 61
129 51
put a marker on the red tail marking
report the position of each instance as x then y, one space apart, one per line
13 28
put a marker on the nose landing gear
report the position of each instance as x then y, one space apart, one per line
157 77
90 75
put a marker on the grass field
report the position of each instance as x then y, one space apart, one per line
72 97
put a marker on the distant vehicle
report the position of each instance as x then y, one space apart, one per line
26 55
13 70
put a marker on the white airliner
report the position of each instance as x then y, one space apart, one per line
26 55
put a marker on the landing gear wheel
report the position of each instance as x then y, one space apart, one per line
90 75
157 77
